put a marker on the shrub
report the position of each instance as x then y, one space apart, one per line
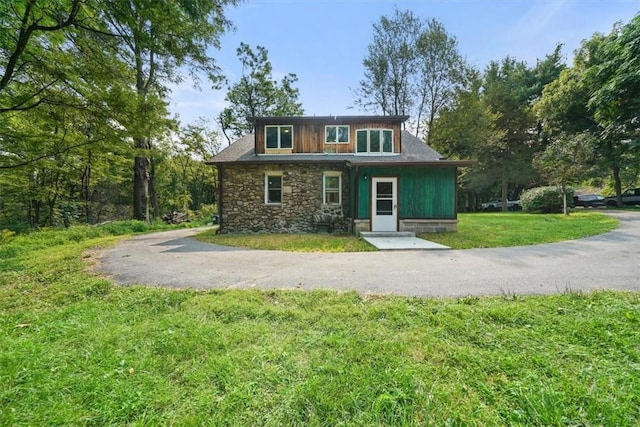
544 199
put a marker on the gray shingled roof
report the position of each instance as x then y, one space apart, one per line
414 151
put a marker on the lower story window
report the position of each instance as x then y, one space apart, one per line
273 188
332 188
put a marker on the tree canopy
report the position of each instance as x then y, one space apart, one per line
83 87
257 93
412 68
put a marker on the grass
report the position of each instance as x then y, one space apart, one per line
76 350
320 242
490 230
477 230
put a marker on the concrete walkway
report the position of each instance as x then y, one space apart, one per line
174 259
400 241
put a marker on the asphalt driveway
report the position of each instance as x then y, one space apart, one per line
174 259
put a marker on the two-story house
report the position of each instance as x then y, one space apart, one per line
358 173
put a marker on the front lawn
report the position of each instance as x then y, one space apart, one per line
320 242
77 350
476 230
491 230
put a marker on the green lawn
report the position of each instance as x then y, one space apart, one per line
477 230
491 230
77 350
320 242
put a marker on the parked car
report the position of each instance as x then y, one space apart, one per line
629 198
588 200
496 205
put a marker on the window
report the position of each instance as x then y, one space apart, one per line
336 134
273 188
278 137
332 189
374 141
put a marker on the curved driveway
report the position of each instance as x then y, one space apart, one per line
173 259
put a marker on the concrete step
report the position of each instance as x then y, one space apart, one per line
366 234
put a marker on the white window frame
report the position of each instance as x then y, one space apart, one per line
336 127
266 187
368 133
324 187
279 127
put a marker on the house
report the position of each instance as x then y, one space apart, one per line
345 173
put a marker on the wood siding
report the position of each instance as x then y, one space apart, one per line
309 136
423 193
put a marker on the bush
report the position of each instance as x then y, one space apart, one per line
544 199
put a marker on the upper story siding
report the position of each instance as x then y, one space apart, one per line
309 133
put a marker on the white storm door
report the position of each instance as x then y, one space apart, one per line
384 206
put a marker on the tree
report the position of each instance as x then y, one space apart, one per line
614 101
29 71
597 95
467 129
390 65
257 94
185 182
441 70
505 92
158 38
413 68
567 160
60 102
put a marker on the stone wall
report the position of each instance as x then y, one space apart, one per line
243 207
413 225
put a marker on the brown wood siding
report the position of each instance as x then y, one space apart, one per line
308 137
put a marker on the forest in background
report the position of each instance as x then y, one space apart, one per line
86 135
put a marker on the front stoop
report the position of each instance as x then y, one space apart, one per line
399 241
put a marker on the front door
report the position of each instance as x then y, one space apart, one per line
384 206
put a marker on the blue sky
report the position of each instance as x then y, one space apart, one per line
325 41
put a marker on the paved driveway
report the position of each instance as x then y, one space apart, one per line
173 259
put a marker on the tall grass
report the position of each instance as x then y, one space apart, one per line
77 350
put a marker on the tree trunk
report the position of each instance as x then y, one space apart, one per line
617 184
141 183
565 205
152 190
505 187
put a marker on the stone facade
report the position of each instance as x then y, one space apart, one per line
243 207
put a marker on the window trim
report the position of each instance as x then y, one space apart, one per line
279 147
336 141
266 187
369 152
324 187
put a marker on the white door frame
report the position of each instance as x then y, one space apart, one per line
384 206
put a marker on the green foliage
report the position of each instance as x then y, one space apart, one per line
544 199
68 125
257 94
413 67
597 96
78 350
183 181
491 120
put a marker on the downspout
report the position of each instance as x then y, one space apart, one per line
354 208
220 193
456 205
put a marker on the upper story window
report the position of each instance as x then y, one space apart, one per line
336 134
375 141
278 137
